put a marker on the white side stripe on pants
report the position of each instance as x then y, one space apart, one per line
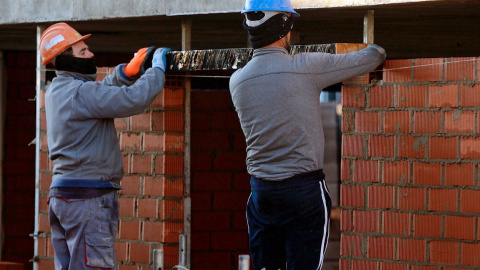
326 226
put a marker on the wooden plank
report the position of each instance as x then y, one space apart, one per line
368 27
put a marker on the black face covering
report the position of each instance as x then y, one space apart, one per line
270 31
75 64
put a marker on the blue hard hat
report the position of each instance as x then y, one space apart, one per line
269 5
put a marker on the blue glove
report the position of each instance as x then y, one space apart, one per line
160 58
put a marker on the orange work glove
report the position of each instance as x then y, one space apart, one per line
139 62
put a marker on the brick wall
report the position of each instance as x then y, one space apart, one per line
151 205
410 192
19 158
220 183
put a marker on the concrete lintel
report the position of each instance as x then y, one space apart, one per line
27 11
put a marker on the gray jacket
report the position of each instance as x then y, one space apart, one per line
80 113
276 96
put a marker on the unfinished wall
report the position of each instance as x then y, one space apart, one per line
410 192
151 205
18 158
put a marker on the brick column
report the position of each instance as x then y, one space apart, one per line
410 193
151 202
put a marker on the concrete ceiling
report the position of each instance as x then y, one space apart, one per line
430 29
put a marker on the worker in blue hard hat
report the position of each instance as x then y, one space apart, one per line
276 96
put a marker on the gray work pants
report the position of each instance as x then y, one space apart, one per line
84 231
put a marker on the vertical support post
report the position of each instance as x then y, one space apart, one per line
243 262
158 259
187 204
2 125
39 84
368 27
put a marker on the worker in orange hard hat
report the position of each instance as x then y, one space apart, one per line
83 144
277 98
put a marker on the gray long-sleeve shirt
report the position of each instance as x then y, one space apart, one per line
80 112
276 96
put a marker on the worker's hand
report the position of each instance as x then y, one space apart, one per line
139 62
160 59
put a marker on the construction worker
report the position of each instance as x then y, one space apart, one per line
83 144
276 96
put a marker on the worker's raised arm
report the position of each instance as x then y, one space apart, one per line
335 68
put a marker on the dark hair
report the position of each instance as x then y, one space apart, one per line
67 52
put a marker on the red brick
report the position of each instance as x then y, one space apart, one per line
470 95
348 120
172 97
412 250
365 171
352 146
345 170
363 265
121 251
426 173
443 252
396 172
211 221
230 160
411 198
346 220
212 260
139 253
352 196
45 181
351 245
172 121
130 141
470 201
147 208
171 231
240 220
142 164
381 248
169 164
367 122
382 96
212 181
445 96
153 142
361 79
43 223
381 146
397 70
225 120
126 163
126 207
211 100
241 181
140 122
201 161
444 148
131 185
229 240
171 210
158 121
45 264
381 197
200 241
470 254
396 223
414 96
427 226
427 122
173 142
397 122
230 200
393 266
460 174
42 246
470 148
239 141
443 200
460 69
128 267
122 123
170 254
366 221
459 121
412 147
129 229
460 227
201 201
164 186
428 70
200 120
353 97
211 140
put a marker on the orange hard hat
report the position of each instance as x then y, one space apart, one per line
56 39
